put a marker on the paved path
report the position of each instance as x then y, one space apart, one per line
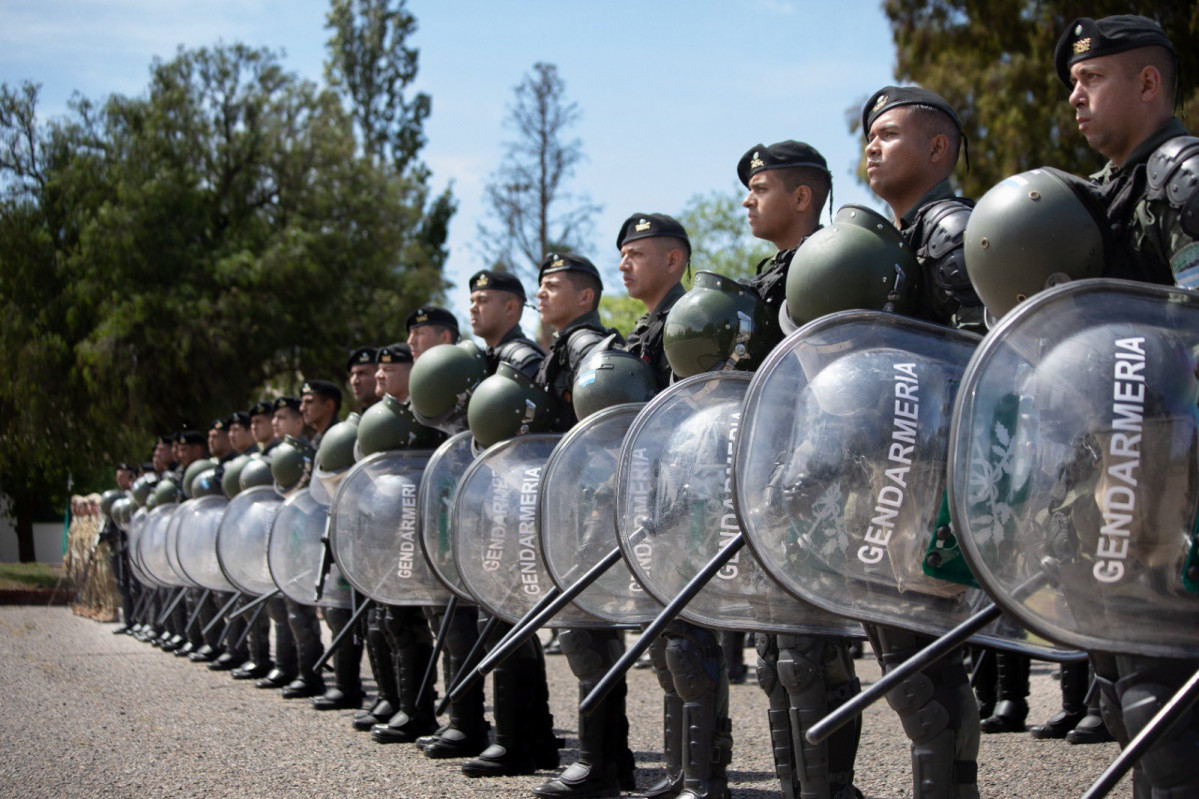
87 713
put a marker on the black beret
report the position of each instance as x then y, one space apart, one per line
361 355
780 155
431 316
890 97
395 353
1087 38
263 408
322 388
240 418
166 438
648 226
485 279
286 402
190 437
568 263
218 424
124 466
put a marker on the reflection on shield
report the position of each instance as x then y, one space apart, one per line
153 546
495 530
241 539
578 517
197 542
295 550
436 504
373 530
1074 465
674 511
172 544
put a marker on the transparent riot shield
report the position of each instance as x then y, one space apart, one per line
578 517
1075 466
373 530
437 487
295 551
675 512
840 473
172 543
135 533
495 531
153 546
196 545
242 538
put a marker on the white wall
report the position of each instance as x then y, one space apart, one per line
47 541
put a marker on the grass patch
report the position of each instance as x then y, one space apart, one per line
25 576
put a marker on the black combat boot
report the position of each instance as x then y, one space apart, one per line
1012 708
1075 680
412 720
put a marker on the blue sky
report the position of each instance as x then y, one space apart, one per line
672 92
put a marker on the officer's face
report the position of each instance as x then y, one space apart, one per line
898 149
162 456
239 437
646 267
189 454
124 479
287 422
1107 104
771 208
316 410
218 443
423 337
262 428
392 378
489 313
362 382
559 301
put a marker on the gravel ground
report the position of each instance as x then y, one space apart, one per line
87 713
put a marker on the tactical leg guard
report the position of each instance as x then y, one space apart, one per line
1145 686
383 667
733 646
697 666
1075 680
286 661
411 644
938 713
984 677
306 632
347 660
466 734
1012 708
778 715
818 675
605 763
672 725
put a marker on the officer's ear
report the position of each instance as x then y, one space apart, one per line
938 148
803 197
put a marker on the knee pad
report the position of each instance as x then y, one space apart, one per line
1168 765
695 668
657 656
922 718
590 653
768 658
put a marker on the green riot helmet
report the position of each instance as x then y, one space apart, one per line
1032 231
509 404
388 425
122 511
256 472
336 453
206 484
718 324
166 493
192 470
611 377
143 487
231 479
442 381
107 500
860 261
291 464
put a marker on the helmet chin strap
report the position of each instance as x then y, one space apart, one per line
745 331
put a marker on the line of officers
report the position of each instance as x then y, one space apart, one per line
1121 74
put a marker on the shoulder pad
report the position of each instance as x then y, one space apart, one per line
584 339
1173 175
944 226
522 354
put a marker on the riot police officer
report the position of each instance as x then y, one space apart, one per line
913 137
804 677
568 299
1123 75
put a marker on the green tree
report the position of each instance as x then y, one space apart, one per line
994 63
163 256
